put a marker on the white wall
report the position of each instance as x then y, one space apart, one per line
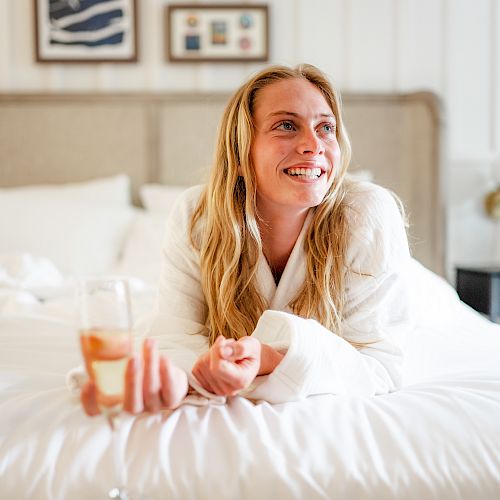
448 46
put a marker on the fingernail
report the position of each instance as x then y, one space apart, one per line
133 362
227 351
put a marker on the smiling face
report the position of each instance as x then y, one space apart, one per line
295 152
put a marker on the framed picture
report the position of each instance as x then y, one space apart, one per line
86 30
217 33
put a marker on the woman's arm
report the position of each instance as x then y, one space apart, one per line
179 321
378 314
179 324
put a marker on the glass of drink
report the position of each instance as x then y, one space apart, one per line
105 327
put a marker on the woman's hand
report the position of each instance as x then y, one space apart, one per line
151 384
229 366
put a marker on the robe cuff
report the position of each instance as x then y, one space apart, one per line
316 361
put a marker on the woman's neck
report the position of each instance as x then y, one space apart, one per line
279 232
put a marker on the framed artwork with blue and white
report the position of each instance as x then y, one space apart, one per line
86 30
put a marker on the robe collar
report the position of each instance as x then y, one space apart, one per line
292 279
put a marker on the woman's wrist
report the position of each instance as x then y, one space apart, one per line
269 359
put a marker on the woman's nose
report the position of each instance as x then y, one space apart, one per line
309 142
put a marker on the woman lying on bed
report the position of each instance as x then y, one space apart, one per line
282 278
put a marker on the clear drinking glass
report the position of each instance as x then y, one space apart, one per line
105 328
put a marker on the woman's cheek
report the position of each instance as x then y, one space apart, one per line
336 157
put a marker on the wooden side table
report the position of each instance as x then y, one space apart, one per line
479 287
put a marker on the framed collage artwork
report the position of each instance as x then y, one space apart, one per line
217 33
85 30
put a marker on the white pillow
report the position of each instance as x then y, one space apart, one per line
113 191
159 198
80 227
142 252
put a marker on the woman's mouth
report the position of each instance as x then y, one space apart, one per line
306 173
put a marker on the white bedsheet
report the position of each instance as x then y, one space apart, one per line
438 438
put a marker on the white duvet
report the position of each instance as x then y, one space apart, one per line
437 438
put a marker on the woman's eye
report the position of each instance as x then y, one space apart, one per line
286 126
329 128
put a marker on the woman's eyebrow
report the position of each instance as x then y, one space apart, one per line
277 113
291 113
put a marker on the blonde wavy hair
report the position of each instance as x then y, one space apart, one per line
225 232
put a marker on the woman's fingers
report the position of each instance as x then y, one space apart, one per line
200 377
218 384
246 347
242 361
222 356
150 384
88 396
206 367
207 381
174 383
227 351
167 382
133 402
229 366
151 379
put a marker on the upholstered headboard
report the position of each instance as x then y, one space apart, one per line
167 138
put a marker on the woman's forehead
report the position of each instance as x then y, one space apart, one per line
293 96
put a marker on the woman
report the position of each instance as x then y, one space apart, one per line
282 278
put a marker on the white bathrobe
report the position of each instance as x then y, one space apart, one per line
316 361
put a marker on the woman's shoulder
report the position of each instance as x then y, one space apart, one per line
179 220
186 203
189 198
366 195
370 204
376 225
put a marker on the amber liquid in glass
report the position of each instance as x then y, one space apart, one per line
106 353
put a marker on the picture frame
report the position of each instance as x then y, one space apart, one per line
74 31
217 32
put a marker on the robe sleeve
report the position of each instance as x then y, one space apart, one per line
179 321
378 315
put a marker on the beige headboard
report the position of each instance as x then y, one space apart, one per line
167 138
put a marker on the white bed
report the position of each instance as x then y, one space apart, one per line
437 438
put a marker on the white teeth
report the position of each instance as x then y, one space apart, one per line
312 173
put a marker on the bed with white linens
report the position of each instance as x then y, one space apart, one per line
81 195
